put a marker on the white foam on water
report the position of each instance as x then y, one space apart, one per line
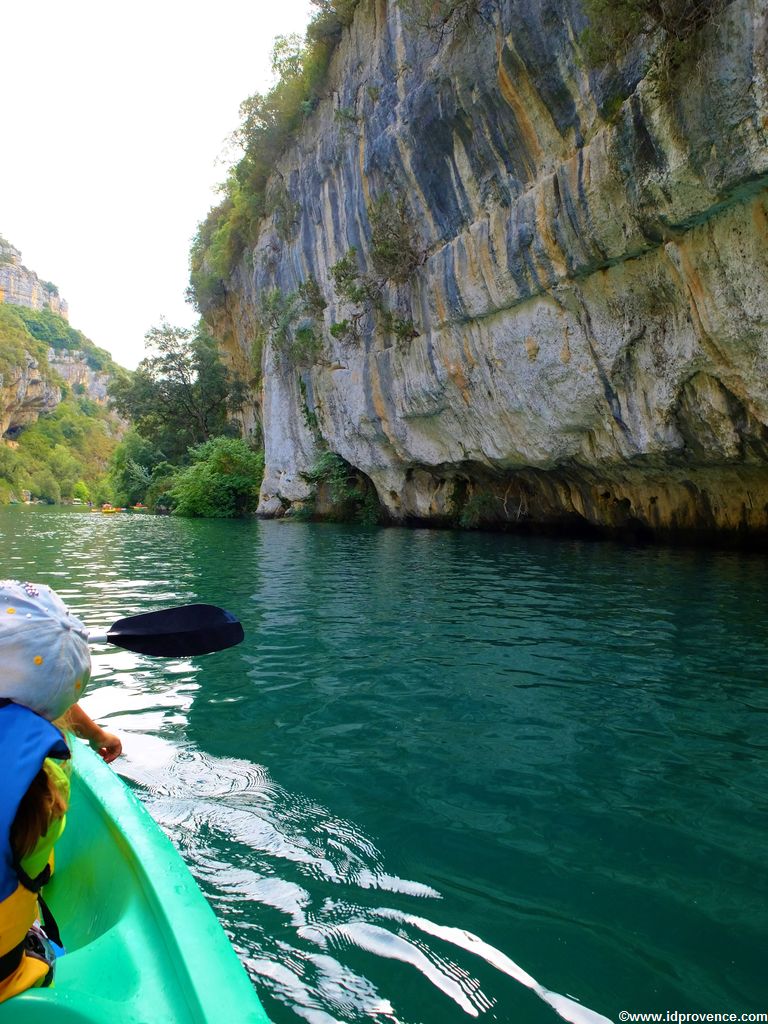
567 1008
384 943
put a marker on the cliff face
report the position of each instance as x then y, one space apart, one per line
26 391
72 366
30 377
584 336
23 287
30 389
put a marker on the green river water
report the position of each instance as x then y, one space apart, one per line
446 776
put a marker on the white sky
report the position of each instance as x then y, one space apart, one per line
114 125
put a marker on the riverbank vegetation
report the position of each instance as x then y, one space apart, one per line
64 454
184 453
168 437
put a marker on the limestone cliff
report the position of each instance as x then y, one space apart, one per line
583 334
22 287
73 367
26 390
39 351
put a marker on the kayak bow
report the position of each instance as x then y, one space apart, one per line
144 947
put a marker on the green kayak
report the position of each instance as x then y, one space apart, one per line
143 945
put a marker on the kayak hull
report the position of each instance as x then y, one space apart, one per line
143 945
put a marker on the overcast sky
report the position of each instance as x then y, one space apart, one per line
114 127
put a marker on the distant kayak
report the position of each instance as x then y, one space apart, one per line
143 944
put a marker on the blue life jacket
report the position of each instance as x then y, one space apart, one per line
26 739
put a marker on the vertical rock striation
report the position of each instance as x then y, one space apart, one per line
585 336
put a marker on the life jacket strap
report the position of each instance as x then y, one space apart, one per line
10 961
50 926
33 884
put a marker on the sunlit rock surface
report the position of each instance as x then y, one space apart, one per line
29 389
72 366
591 306
23 287
25 392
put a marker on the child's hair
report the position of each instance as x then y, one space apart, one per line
42 803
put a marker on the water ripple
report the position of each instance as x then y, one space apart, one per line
446 776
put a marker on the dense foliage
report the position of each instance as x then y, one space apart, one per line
222 482
65 454
16 343
181 394
182 453
54 332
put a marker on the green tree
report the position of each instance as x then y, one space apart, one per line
182 394
131 467
222 482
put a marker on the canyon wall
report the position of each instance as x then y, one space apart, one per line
22 287
26 391
31 378
581 337
33 387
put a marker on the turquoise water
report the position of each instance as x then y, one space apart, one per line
444 768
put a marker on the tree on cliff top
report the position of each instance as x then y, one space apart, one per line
182 394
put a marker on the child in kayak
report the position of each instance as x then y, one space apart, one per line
44 670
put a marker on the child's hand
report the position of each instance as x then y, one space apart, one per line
105 743
108 746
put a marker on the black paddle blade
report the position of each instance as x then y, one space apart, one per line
178 632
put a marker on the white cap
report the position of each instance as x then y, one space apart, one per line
45 663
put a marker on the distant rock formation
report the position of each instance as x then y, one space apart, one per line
25 392
23 287
73 367
30 381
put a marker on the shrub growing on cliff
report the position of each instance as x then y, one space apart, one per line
222 482
268 121
350 283
616 25
394 255
292 321
366 292
353 496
